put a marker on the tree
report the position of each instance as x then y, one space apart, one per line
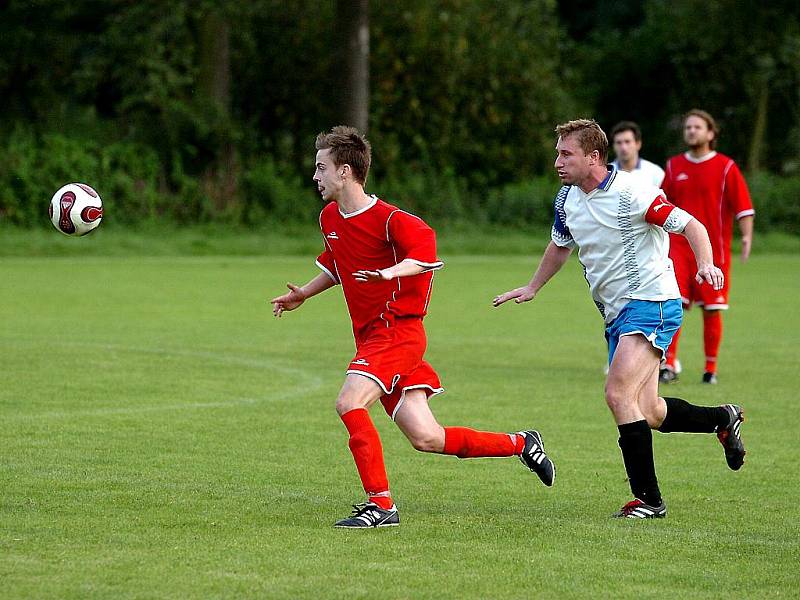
352 25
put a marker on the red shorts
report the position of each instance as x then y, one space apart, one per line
392 358
695 293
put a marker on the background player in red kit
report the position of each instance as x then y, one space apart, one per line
384 259
710 187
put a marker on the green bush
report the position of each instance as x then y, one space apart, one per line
135 186
270 192
523 203
777 202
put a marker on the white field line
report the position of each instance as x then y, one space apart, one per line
311 381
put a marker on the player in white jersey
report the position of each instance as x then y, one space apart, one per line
620 229
626 138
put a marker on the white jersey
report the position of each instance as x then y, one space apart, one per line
624 256
647 172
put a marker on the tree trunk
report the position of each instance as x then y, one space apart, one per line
352 20
214 78
756 151
214 83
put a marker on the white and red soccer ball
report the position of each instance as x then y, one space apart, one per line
76 209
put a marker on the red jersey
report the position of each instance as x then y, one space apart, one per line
377 237
713 191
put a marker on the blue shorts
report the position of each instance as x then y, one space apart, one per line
656 321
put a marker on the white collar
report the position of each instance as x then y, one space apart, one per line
703 158
360 210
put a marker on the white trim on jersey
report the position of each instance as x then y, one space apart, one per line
360 210
421 386
434 266
745 213
395 379
324 270
702 159
712 306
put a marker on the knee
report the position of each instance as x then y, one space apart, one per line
427 441
347 402
616 397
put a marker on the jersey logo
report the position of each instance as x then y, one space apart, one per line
332 235
661 204
682 177
360 361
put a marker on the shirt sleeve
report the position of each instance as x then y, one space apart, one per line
326 264
325 260
414 239
737 196
560 233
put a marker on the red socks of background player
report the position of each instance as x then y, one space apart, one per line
672 351
365 444
468 443
712 336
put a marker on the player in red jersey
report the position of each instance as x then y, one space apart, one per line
710 187
384 258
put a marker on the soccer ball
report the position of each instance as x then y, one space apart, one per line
76 209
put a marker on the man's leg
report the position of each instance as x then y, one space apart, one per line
669 415
712 337
357 395
633 375
416 421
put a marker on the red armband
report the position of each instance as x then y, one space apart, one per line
658 211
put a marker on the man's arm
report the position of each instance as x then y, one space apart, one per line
697 236
405 268
746 229
297 295
553 259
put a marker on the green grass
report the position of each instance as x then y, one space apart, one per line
164 437
294 239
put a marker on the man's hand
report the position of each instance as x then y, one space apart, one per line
519 295
747 243
371 276
710 274
288 301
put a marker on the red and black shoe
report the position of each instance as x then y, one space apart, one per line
731 439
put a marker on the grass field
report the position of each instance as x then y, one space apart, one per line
164 437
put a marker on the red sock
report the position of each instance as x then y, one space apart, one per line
365 444
468 443
672 351
712 336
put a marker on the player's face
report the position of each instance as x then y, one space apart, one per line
626 147
696 132
572 165
328 177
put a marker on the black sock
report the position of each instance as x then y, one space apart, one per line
636 443
688 418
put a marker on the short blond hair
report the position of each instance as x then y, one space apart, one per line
590 136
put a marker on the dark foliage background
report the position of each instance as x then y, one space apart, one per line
199 111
